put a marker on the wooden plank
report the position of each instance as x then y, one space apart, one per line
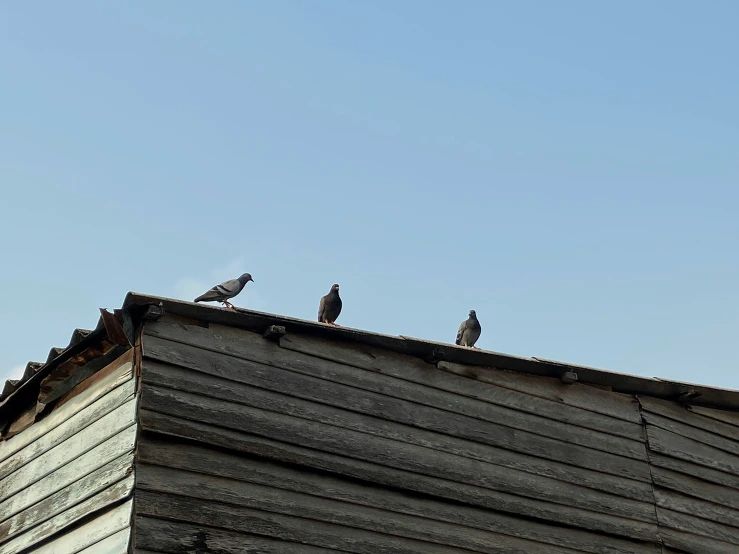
386 412
694 544
392 387
725 416
672 444
714 513
310 531
360 445
79 421
210 489
76 445
157 535
415 370
92 532
578 395
698 471
73 494
382 475
114 544
686 416
688 431
202 460
698 488
60 415
78 538
251 346
113 448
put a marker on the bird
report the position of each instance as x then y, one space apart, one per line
330 306
225 291
469 331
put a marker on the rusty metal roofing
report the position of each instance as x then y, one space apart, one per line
32 368
431 351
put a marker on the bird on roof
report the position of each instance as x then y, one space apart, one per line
225 291
469 331
330 306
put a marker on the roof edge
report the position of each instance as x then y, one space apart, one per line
433 352
19 396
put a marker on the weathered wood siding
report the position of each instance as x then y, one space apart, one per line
66 481
694 457
317 446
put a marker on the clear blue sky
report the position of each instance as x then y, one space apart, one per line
568 169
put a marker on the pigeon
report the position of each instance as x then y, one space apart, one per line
226 290
469 331
330 306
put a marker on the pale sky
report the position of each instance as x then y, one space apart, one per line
567 169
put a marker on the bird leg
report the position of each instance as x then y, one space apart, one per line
227 304
333 323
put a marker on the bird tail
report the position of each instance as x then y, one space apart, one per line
206 297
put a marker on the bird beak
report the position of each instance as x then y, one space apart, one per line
250 279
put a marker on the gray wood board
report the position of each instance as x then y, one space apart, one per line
61 414
252 346
175 537
431 539
71 495
409 422
316 372
688 431
68 471
694 544
299 505
698 514
97 529
373 471
695 470
389 451
116 543
725 416
74 446
696 425
75 424
690 484
620 406
170 456
671 444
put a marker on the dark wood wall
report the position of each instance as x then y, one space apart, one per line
694 456
311 446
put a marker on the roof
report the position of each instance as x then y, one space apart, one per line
431 351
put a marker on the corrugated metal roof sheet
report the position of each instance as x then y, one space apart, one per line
11 385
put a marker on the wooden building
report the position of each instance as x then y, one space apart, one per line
175 427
